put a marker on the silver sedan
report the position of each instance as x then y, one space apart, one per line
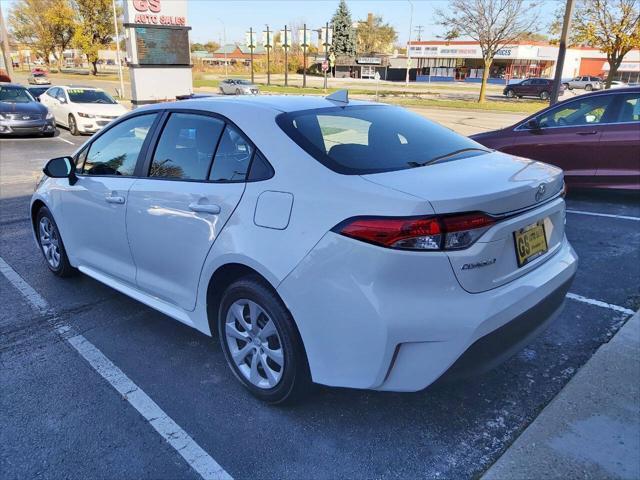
232 86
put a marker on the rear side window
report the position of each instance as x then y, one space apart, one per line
233 157
116 151
357 140
630 108
186 147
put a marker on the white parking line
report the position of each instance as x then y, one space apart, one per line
623 217
65 140
598 303
194 455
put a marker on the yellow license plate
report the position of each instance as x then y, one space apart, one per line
531 242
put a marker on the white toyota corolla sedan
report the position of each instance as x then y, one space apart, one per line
349 244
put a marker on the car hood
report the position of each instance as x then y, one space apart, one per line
100 108
30 107
494 183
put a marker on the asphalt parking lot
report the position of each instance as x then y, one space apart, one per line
62 416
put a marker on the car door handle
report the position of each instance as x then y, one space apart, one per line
204 208
114 199
590 132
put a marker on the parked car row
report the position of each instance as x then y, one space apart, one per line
37 110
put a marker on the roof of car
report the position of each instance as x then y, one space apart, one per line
281 103
11 85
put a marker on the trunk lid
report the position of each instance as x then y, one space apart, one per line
500 185
494 183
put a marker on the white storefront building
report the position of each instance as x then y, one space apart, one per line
462 61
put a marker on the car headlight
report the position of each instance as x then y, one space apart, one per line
49 116
86 115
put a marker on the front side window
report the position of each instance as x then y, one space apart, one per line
233 157
358 140
116 151
186 147
82 95
586 111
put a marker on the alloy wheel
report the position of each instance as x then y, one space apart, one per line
254 344
50 242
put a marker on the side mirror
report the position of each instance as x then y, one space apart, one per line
532 125
61 167
61 99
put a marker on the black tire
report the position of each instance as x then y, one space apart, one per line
295 381
64 268
566 85
73 126
238 92
221 90
544 95
588 87
510 93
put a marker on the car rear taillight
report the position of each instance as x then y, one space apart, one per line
447 232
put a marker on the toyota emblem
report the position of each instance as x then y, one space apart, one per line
542 189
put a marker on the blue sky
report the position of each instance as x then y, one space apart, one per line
239 15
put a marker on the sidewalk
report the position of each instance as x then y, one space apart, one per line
591 430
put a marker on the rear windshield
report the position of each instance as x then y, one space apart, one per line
80 95
358 140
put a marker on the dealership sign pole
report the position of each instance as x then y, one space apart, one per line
118 55
158 52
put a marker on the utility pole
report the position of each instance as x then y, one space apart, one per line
409 45
6 50
268 47
304 55
118 56
285 45
251 47
562 51
224 47
418 30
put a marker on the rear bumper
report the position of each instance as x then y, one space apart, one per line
391 320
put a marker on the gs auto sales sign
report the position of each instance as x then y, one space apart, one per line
158 12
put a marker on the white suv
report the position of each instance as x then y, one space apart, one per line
349 244
586 82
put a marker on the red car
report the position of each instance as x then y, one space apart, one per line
594 138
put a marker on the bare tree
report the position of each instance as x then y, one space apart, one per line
494 24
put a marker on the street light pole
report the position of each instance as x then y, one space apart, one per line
224 47
118 56
562 51
409 44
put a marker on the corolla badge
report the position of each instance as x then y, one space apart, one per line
542 189
483 263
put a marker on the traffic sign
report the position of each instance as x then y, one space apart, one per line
325 66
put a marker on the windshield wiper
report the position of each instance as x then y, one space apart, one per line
445 156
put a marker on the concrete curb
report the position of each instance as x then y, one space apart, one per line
591 429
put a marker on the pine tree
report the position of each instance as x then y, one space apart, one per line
344 35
